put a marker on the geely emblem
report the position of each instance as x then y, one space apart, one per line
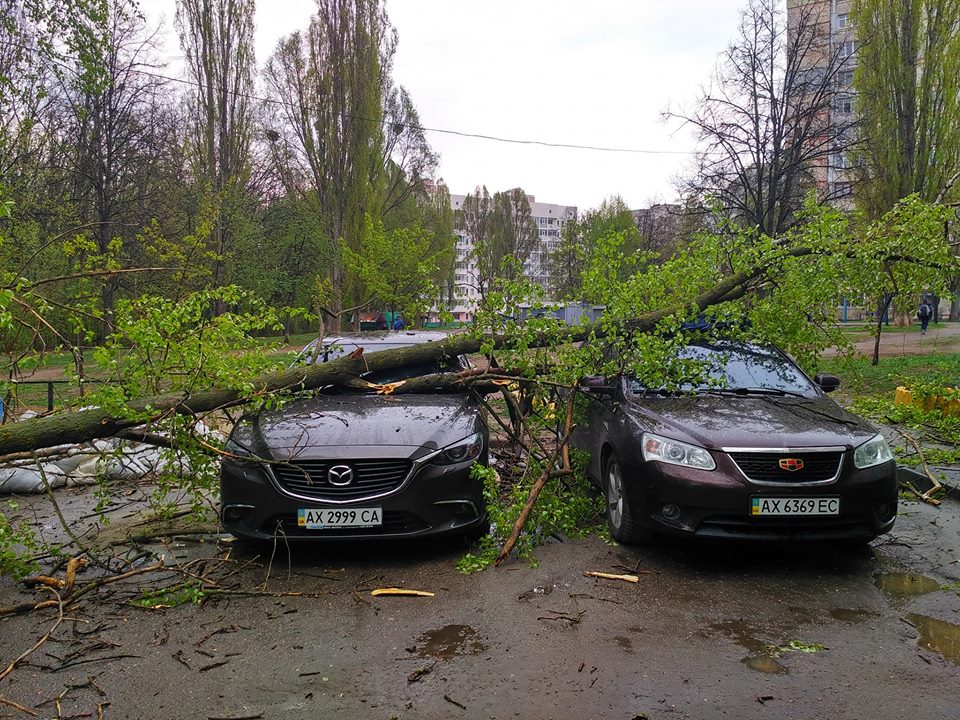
791 464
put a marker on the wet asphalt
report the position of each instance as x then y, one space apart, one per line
709 631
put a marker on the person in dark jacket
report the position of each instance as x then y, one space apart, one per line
924 313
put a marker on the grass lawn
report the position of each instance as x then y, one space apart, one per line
859 377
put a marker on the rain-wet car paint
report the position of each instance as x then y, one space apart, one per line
261 495
717 502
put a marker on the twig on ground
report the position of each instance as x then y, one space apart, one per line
16 706
42 640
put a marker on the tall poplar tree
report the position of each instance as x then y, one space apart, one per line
217 40
908 96
331 83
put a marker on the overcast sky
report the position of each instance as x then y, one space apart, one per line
562 71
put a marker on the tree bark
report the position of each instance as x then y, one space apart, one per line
94 423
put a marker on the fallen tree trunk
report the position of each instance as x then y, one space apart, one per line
94 423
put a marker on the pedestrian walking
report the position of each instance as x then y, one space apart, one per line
924 313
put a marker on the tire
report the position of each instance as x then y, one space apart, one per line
621 517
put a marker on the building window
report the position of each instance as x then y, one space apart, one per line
842 189
841 20
845 78
848 49
844 105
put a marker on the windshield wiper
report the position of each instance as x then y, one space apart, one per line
766 391
743 391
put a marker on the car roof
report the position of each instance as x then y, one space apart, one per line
385 337
337 346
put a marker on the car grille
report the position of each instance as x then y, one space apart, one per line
394 523
308 478
765 466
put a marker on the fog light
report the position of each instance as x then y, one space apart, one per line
670 512
236 512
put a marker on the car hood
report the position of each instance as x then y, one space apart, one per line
751 422
328 425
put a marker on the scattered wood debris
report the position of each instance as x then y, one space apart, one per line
420 672
401 591
612 576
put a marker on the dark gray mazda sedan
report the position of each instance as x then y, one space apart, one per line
358 465
755 451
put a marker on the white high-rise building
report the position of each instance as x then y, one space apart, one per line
549 219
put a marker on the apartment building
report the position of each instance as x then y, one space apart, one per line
549 219
830 20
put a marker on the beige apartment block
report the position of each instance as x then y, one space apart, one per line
549 219
830 21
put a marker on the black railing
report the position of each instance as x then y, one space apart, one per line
50 393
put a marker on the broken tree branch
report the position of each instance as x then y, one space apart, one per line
532 497
93 423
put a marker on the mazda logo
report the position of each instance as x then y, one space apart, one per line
791 464
340 475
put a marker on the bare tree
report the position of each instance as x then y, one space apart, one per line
112 140
766 125
514 234
409 161
475 220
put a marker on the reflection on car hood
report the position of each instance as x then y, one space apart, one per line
311 427
762 422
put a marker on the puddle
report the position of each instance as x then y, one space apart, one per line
764 656
625 643
852 615
744 635
449 641
765 664
904 585
939 636
761 653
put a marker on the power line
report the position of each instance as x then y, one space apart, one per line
410 126
444 131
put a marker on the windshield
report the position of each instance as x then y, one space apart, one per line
733 366
341 347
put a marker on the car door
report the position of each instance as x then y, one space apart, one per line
603 414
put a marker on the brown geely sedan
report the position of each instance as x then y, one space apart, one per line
755 451
358 465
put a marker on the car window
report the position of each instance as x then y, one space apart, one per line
341 347
741 366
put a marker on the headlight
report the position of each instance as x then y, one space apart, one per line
872 452
461 451
675 452
234 448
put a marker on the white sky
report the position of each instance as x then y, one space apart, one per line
564 71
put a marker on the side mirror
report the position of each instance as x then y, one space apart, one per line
596 384
827 383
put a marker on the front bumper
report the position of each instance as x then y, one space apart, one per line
717 503
432 500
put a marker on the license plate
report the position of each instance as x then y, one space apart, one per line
795 506
327 518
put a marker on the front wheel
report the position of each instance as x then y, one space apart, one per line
620 516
